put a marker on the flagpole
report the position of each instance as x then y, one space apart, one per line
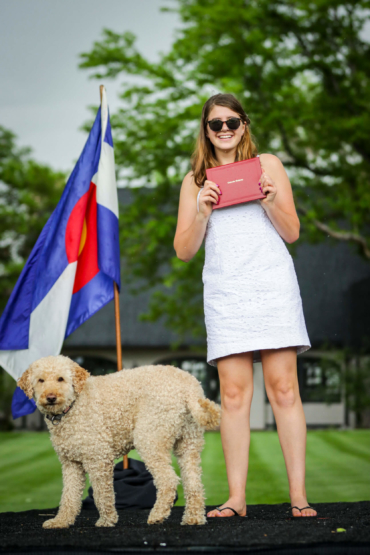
118 328
117 318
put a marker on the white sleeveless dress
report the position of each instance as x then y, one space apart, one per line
252 299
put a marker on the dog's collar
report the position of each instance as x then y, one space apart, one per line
56 418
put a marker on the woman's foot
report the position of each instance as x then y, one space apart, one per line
301 501
238 506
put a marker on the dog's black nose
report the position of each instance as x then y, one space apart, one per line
51 398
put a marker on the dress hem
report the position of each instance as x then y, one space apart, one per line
257 352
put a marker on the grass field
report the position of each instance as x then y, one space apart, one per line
338 469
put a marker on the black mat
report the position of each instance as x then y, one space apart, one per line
268 529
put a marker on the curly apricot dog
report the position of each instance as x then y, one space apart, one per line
94 420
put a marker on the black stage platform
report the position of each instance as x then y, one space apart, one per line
268 529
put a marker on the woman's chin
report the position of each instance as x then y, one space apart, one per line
226 145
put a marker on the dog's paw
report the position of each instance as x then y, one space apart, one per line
194 520
56 523
157 518
106 522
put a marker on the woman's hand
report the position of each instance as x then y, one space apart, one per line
209 195
279 202
267 187
192 220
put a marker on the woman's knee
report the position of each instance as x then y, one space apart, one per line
235 397
236 381
283 393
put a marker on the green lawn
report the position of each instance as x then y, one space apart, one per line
338 469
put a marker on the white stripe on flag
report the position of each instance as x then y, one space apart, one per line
48 324
105 180
104 114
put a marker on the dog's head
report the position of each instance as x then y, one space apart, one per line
54 382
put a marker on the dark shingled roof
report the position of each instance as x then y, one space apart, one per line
325 273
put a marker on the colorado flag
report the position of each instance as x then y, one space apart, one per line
70 272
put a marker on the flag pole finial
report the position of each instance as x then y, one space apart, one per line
101 89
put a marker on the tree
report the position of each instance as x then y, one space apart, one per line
302 72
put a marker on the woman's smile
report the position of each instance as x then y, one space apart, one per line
225 136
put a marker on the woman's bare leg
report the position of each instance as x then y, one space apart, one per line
236 382
281 382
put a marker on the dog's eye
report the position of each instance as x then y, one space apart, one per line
40 380
60 380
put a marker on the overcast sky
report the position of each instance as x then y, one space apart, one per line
43 95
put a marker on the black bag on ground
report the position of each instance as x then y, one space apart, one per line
134 487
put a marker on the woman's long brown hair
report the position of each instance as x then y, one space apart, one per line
204 154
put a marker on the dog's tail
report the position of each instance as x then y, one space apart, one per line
205 412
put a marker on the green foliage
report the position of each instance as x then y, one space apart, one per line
29 193
301 70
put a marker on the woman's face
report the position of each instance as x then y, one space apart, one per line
225 139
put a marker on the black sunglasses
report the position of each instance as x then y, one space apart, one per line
217 124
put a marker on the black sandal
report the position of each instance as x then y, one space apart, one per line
233 510
295 507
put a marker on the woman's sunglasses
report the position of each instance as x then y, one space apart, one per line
217 124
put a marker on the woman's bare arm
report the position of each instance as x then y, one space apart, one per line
191 224
279 203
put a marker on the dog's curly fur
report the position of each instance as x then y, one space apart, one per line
155 409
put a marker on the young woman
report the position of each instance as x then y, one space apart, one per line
252 302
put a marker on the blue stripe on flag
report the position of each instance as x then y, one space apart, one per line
21 404
108 244
108 134
88 300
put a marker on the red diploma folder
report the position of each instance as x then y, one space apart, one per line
238 181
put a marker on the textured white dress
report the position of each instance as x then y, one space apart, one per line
252 299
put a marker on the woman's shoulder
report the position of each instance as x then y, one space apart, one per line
189 177
188 183
270 160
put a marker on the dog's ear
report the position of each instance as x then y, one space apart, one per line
24 382
79 377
